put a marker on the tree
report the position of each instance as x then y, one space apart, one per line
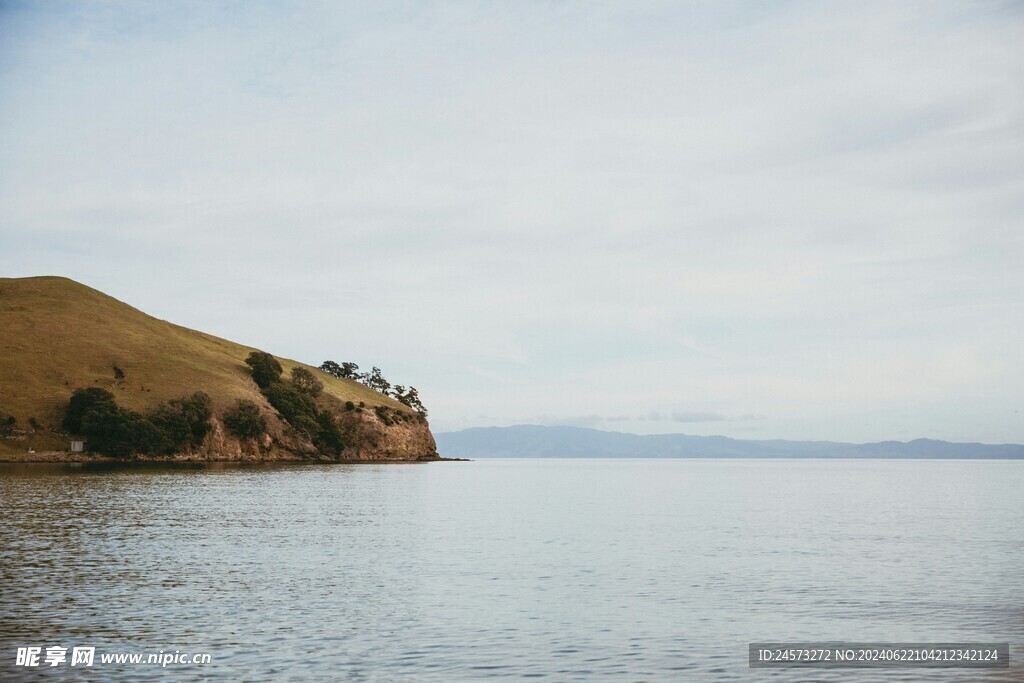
246 420
411 398
119 432
328 437
112 430
331 368
306 382
344 371
265 368
375 380
123 433
185 421
83 401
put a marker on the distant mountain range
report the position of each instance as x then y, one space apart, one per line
533 441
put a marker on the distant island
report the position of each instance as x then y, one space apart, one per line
534 441
85 377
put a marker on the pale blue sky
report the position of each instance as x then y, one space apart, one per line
763 220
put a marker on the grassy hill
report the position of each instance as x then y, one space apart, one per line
57 335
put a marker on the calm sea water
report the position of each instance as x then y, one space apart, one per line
659 570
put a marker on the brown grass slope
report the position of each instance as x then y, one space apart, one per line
57 335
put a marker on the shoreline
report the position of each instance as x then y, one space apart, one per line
66 457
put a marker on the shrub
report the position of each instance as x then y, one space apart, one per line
120 432
34 423
246 420
124 433
265 368
112 430
349 405
328 438
295 401
173 425
306 425
306 382
185 421
289 401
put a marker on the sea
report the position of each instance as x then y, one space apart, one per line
546 569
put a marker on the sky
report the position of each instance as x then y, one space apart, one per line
797 220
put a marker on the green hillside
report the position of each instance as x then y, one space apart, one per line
57 335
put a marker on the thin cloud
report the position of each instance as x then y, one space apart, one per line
593 212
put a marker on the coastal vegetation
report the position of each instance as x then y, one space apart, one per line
375 380
58 336
245 420
296 401
7 425
109 429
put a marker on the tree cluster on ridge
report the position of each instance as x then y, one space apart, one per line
375 380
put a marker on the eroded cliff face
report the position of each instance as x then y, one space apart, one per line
366 436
